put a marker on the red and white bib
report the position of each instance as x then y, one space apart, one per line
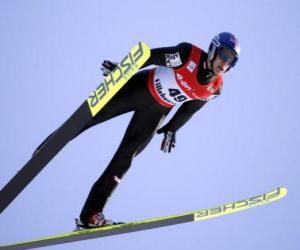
172 86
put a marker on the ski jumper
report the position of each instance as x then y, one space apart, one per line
181 77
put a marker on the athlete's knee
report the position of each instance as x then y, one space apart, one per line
143 146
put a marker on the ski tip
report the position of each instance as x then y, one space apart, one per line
284 191
146 49
144 44
240 205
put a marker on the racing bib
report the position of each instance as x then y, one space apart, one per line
171 86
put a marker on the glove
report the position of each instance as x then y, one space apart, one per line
169 139
107 67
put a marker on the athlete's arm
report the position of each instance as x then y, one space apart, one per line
183 114
172 57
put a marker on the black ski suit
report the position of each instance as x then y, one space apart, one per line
147 117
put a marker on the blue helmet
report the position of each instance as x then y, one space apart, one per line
224 40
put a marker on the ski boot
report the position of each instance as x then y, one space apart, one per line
96 220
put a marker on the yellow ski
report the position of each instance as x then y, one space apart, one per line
88 109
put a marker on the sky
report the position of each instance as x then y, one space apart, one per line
243 143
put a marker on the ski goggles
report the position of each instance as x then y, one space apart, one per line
227 55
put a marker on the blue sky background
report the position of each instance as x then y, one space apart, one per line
244 143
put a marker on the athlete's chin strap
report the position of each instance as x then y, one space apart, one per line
210 71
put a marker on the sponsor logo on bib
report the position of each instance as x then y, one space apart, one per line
191 66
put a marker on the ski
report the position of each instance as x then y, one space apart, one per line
88 109
204 214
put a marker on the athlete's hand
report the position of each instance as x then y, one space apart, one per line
169 139
107 67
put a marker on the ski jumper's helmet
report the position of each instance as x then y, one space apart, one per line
224 40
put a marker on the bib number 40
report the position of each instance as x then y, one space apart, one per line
177 95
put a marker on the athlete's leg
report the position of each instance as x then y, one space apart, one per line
134 95
141 129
